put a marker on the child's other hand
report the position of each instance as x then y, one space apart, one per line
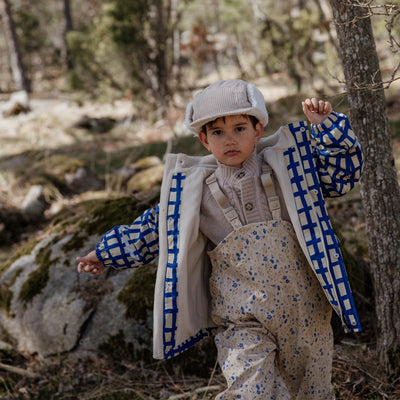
90 264
316 110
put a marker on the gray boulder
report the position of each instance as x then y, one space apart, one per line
34 203
47 308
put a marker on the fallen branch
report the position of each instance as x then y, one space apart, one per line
19 371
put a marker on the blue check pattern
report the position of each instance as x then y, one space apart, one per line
312 178
328 166
170 286
127 246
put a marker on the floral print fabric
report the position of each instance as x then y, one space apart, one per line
275 338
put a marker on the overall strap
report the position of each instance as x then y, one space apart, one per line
223 202
270 191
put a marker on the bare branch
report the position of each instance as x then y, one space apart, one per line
392 76
370 10
374 86
375 9
393 42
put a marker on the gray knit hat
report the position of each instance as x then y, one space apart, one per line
224 98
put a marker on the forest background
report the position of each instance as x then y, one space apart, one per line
117 74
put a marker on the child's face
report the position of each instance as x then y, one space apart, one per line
231 139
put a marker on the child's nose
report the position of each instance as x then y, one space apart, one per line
230 137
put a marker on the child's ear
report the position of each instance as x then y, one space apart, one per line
259 131
203 140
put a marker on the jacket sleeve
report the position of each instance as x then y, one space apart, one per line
128 246
338 153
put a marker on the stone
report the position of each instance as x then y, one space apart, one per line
83 180
34 203
146 162
145 180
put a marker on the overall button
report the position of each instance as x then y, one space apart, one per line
248 206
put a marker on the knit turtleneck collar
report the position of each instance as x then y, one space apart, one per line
251 166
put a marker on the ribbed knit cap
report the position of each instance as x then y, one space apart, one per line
232 97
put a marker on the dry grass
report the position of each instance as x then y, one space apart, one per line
355 377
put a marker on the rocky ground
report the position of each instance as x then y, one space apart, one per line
62 152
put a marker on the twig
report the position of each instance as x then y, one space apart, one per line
19 371
196 391
212 376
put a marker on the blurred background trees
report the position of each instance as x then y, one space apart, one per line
148 50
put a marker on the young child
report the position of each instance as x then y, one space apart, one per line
246 250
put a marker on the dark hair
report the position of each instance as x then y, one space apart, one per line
254 121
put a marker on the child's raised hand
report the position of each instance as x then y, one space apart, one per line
316 110
90 264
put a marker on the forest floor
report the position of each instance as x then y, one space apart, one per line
356 374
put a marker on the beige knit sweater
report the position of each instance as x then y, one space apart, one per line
246 194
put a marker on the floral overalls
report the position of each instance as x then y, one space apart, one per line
275 339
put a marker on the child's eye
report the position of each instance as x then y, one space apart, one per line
217 132
240 129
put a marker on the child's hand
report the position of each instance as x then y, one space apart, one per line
316 110
90 264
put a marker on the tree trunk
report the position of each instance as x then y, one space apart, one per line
68 28
160 19
380 191
17 67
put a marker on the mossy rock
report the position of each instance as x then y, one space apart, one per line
96 217
38 279
138 293
48 308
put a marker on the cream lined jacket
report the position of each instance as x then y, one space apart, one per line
308 166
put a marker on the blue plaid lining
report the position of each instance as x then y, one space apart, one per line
171 349
127 246
312 213
340 157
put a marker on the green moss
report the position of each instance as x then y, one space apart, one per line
37 280
27 249
137 295
100 216
75 243
105 215
6 296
